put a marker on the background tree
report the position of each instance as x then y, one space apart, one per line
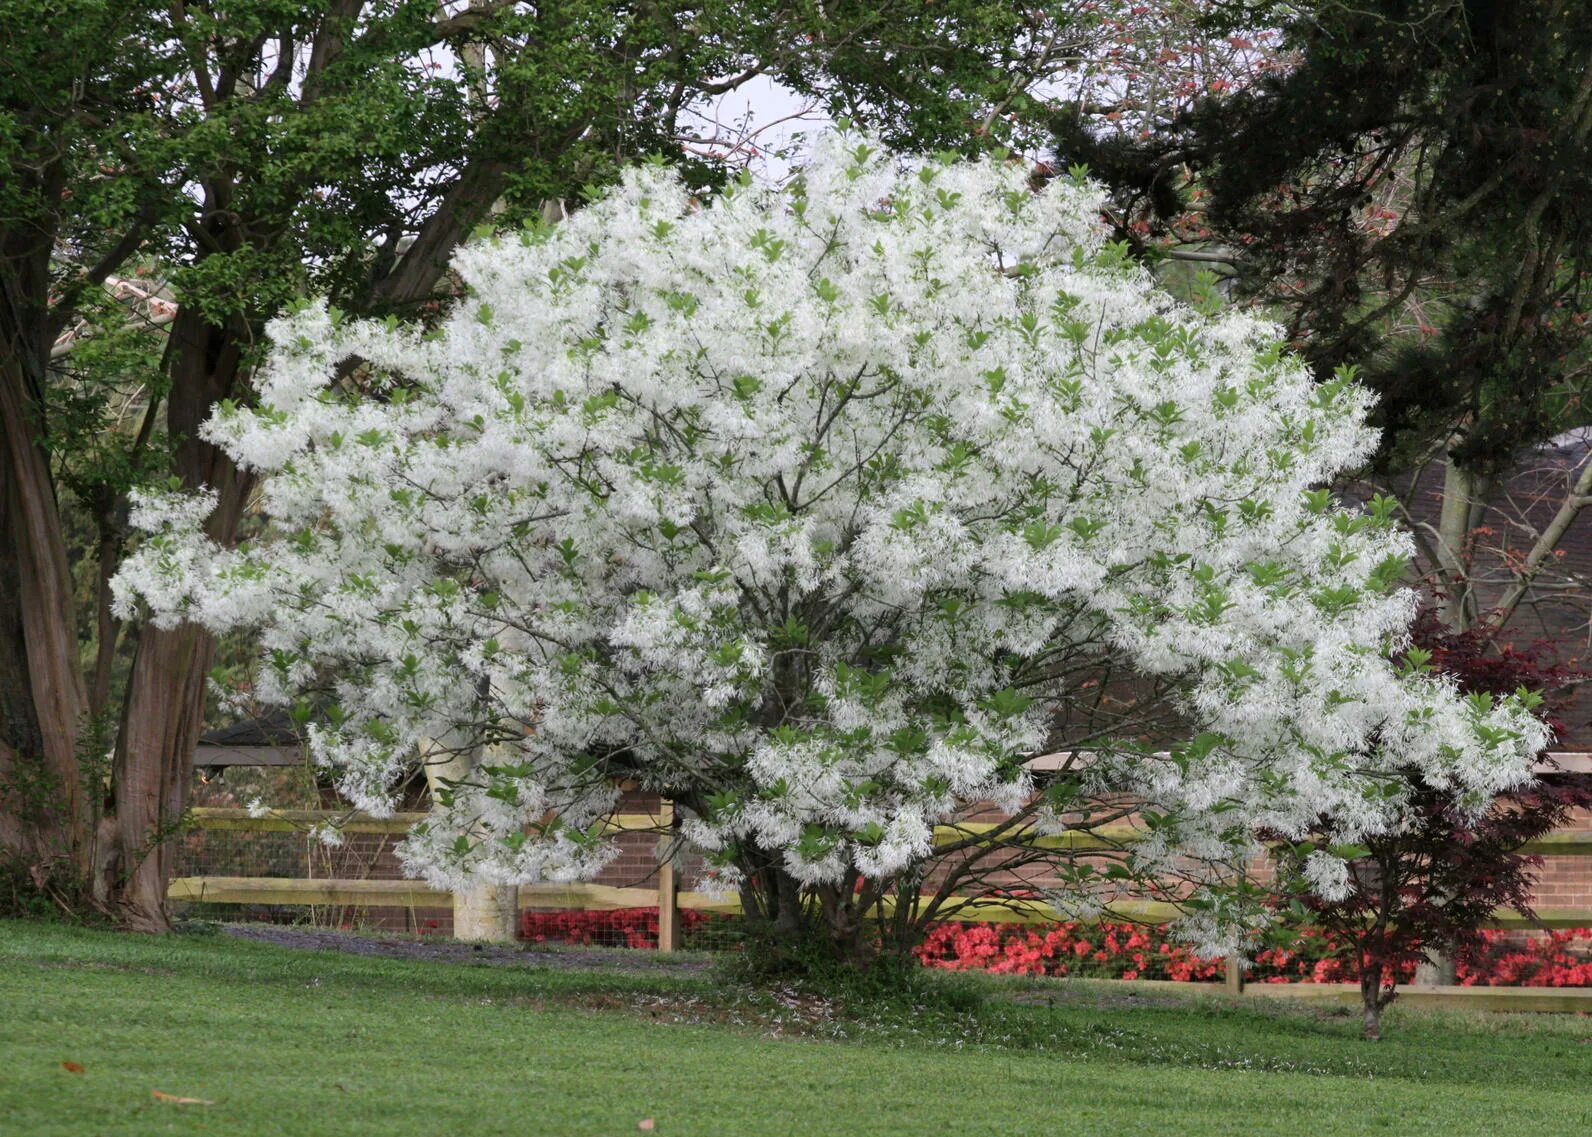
254 150
1404 185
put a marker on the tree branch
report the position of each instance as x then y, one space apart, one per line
1575 501
470 19
62 310
422 265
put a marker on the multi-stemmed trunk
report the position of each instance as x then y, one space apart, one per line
66 821
830 922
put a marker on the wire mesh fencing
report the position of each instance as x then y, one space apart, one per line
329 868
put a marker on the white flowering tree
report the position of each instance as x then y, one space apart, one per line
823 511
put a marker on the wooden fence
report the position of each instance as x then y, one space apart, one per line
668 898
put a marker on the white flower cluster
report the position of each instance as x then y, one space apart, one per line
808 507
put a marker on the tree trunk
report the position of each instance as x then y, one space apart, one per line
164 708
789 923
1440 971
1453 540
1371 1003
44 807
771 900
487 913
46 813
845 910
165 700
152 772
482 913
1460 514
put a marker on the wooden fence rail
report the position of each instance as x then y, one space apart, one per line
416 894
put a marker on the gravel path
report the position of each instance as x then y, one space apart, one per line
448 951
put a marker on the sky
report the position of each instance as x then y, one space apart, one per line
763 118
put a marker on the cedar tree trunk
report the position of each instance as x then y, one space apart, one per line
43 804
164 708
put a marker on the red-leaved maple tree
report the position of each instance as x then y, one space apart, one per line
1433 884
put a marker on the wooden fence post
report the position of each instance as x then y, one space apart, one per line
668 896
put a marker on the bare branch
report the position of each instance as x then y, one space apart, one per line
1570 508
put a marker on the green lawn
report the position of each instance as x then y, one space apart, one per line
313 1043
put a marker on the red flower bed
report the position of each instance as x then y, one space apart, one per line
1132 951
621 927
1118 951
1558 959
1099 951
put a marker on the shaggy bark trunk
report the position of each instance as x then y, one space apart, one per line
46 813
150 774
44 807
165 701
164 708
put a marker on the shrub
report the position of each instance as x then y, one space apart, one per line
1094 951
1504 959
822 511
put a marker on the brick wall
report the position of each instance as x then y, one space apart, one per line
1566 882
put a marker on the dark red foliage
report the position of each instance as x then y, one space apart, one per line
1432 886
1436 884
1480 661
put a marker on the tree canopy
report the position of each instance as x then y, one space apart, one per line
824 511
1409 191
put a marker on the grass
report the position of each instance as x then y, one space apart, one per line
322 1043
